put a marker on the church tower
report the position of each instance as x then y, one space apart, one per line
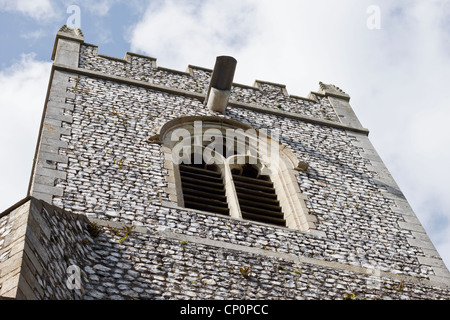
152 183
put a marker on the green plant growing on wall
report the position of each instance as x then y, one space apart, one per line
400 286
120 119
126 230
349 296
122 233
281 268
120 162
245 272
94 229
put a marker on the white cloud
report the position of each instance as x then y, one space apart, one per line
45 10
33 35
408 110
197 31
396 76
41 10
100 8
24 86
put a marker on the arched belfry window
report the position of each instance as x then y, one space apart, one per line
203 187
226 167
256 195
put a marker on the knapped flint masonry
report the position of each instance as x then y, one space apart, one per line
110 215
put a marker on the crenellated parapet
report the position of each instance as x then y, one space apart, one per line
196 79
329 103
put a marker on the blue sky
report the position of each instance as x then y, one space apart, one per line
396 75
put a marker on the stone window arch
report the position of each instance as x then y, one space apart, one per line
239 155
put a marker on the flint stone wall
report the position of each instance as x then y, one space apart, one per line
106 169
114 262
114 173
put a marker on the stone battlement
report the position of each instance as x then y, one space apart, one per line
196 79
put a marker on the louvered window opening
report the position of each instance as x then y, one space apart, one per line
203 188
257 197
